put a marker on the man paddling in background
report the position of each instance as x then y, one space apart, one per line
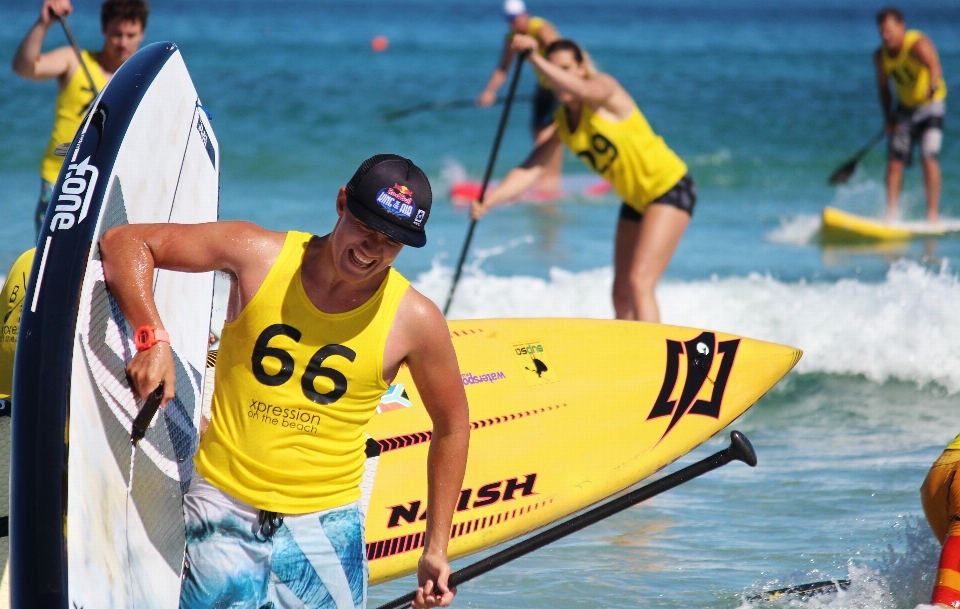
909 58
122 23
319 326
544 101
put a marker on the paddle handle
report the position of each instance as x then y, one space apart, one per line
146 414
76 49
486 174
740 449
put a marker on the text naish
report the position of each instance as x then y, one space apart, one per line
488 494
75 193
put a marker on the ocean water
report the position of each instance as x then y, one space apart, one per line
763 99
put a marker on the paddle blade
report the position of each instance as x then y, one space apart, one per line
841 175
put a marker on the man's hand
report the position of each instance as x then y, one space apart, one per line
52 9
149 368
522 42
433 572
486 98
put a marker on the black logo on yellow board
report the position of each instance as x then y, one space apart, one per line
699 353
535 362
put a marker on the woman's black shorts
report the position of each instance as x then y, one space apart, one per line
683 196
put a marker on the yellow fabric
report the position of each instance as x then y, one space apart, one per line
11 305
535 25
955 445
628 154
72 105
268 444
911 77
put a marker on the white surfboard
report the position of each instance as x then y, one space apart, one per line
95 523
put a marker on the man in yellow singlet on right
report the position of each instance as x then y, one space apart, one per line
123 23
544 101
909 58
317 329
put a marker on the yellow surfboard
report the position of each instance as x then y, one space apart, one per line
564 413
839 224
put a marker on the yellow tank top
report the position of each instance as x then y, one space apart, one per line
295 389
72 105
628 154
911 77
533 29
11 305
955 445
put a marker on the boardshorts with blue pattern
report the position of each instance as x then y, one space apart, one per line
314 560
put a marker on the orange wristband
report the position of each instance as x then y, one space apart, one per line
147 336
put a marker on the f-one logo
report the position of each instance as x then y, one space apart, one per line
700 354
75 193
488 494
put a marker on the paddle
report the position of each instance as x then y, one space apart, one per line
145 416
442 105
488 172
76 49
739 450
803 590
843 173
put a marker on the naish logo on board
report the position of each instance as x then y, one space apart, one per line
699 353
398 200
75 194
488 494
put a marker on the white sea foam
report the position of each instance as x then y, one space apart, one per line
798 230
906 327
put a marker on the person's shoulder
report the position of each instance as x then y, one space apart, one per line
421 317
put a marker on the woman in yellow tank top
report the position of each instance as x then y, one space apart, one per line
601 124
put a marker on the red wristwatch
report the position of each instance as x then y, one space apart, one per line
147 336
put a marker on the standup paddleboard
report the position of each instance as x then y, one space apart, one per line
582 185
839 224
95 523
564 413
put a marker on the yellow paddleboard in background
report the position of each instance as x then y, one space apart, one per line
838 224
564 413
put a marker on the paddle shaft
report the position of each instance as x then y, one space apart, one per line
489 171
739 450
76 49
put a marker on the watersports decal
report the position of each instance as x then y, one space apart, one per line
470 378
460 333
488 494
700 354
398 200
534 362
414 541
398 442
394 399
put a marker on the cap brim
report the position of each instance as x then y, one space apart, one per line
386 227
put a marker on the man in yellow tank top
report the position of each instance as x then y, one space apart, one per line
317 328
123 23
909 59
544 101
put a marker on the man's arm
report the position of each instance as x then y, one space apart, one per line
132 252
433 366
60 63
883 90
499 76
924 51
547 35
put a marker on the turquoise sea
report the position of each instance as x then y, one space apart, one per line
763 99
